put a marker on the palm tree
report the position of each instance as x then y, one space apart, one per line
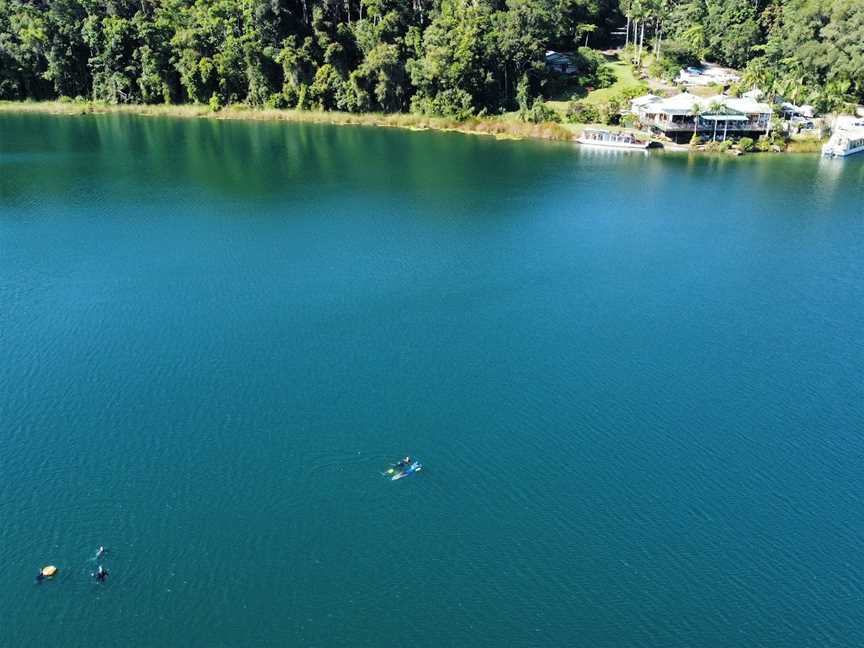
634 15
696 110
585 29
640 14
642 39
833 95
626 7
759 74
695 38
663 9
715 107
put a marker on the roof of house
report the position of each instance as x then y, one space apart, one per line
685 102
743 104
563 61
644 100
559 58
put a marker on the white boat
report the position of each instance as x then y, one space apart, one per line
610 139
847 138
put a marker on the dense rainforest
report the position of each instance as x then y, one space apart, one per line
444 57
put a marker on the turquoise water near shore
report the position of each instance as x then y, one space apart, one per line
636 381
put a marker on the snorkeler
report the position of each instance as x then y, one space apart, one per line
101 574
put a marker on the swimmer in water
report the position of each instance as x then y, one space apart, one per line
100 551
101 574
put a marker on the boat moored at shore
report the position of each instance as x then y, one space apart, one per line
847 139
611 139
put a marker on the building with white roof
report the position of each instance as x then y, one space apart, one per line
682 115
644 100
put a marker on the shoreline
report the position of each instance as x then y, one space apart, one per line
500 128
490 126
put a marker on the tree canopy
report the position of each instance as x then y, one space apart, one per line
803 50
446 57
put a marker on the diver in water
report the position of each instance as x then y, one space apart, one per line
101 574
100 551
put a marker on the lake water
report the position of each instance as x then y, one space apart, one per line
636 382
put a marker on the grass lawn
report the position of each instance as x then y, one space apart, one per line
623 79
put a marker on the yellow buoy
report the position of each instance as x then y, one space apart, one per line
48 571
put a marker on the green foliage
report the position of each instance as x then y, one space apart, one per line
540 113
214 103
522 97
807 51
276 101
815 53
605 77
674 56
380 82
579 112
591 69
629 121
302 97
450 79
628 94
327 88
719 30
456 58
628 53
610 112
745 144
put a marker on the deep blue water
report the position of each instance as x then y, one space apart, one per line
636 382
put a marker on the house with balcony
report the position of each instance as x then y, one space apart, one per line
719 117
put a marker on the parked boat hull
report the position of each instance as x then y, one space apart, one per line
834 152
614 145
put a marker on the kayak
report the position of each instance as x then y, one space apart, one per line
409 470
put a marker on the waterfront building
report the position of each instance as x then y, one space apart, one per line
718 117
